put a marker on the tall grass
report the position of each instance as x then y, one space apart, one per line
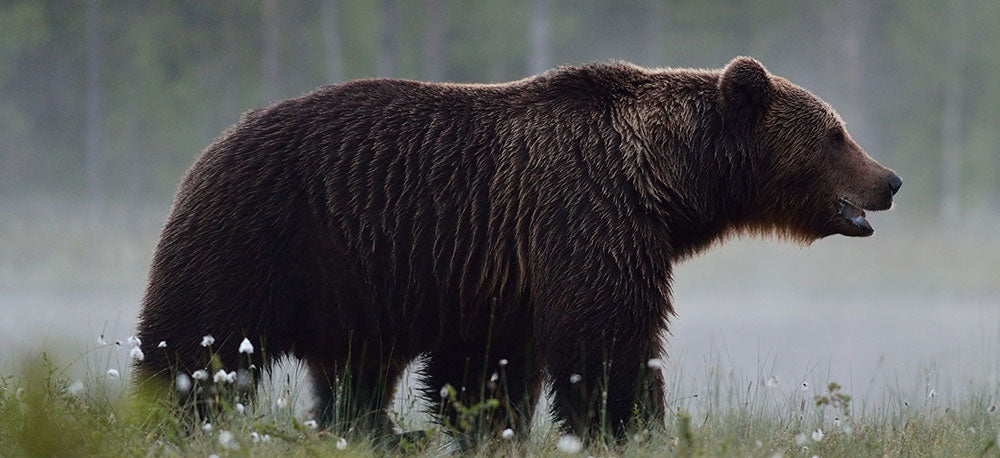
45 411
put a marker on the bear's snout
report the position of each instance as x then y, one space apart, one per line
895 182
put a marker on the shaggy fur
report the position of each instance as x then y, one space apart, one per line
369 223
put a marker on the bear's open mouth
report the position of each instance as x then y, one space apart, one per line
854 214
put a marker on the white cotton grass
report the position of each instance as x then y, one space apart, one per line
101 341
804 386
76 388
507 434
341 444
227 441
240 407
162 344
207 427
574 378
136 354
311 424
133 341
504 362
113 373
246 346
569 444
254 437
655 363
224 377
444 392
200 374
281 402
207 340
118 343
817 435
183 383
772 382
800 439
932 394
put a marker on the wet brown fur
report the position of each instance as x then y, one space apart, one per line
372 222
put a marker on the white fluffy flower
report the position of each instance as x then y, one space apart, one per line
183 382
100 340
227 441
136 354
507 434
804 386
569 444
341 444
200 374
206 427
311 424
76 388
254 437
504 362
817 435
281 403
240 407
800 439
133 341
207 340
574 378
772 382
655 363
444 391
246 346
162 344
224 377
932 394
113 373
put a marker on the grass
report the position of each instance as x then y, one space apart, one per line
45 412
64 403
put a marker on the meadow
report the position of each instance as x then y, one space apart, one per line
876 347
45 412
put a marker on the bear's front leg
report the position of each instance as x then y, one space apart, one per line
602 352
603 386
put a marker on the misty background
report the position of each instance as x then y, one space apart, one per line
104 105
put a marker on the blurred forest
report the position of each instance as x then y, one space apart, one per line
104 104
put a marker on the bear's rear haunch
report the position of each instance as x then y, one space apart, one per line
508 233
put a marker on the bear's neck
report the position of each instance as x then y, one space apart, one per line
696 174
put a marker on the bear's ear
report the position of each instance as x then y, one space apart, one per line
745 90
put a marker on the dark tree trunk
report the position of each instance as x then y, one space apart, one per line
434 40
93 116
270 13
541 36
952 129
655 33
388 39
330 15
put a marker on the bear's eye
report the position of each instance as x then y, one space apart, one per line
837 136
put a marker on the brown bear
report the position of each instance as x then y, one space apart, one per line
505 233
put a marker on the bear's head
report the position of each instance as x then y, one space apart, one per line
813 180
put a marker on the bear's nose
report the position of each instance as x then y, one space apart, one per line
895 182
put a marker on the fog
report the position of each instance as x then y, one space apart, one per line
104 105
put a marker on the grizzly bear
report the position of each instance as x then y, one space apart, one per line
503 233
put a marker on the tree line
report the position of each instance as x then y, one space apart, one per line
107 102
